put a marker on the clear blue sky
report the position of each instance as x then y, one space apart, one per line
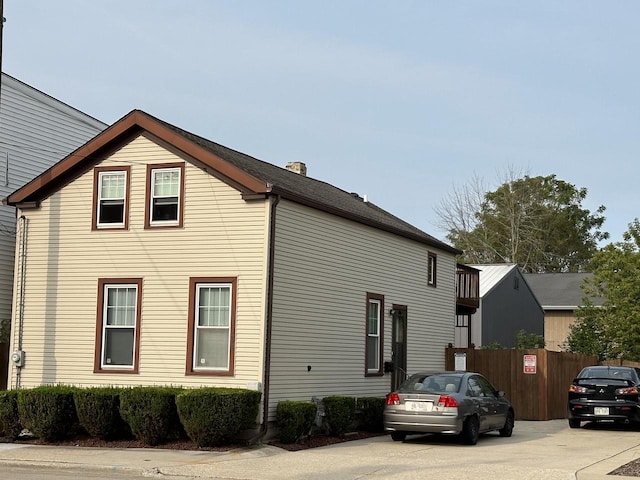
398 100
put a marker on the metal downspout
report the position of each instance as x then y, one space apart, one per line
22 260
268 320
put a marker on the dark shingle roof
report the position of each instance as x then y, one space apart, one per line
315 192
559 291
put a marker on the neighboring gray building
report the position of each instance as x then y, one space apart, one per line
36 130
560 295
507 305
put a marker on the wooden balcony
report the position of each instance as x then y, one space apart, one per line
467 289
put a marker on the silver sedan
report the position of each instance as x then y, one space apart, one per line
457 403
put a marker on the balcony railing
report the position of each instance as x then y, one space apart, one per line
467 289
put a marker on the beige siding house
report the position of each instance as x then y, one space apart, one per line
560 295
151 256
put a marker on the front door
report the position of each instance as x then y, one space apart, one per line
398 345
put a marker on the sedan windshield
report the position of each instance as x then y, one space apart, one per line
430 383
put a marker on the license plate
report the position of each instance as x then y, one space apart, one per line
418 406
600 411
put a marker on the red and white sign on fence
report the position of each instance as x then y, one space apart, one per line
530 364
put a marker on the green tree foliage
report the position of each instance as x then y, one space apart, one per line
526 340
537 223
611 330
587 334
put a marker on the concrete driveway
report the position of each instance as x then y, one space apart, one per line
538 450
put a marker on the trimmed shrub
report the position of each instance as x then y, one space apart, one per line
295 419
340 413
370 409
213 416
98 411
151 413
48 412
10 426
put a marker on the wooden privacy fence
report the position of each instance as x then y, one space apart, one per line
536 381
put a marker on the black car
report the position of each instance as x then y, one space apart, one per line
604 393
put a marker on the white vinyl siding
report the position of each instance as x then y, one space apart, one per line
324 266
223 236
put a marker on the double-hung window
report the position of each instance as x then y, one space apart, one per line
431 269
165 187
118 325
111 197
373 347
210 348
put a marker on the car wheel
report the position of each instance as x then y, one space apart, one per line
398 436
573 423
507 430
471 430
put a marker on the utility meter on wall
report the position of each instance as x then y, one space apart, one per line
17 358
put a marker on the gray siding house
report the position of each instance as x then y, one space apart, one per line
507 305
36 130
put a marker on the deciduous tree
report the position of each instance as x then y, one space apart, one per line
612 330
536 222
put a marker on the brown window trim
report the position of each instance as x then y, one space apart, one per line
432 257
99 324
96 186
147 208
379 372
193 282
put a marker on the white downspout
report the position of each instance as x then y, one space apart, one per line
22 260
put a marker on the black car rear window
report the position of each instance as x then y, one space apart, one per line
612 373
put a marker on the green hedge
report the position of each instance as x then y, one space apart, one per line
370 410
10 426
295 419
213 416
98 411
151 413
339 413
48 412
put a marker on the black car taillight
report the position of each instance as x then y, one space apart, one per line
577 389
627 391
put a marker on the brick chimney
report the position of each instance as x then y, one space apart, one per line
297 167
